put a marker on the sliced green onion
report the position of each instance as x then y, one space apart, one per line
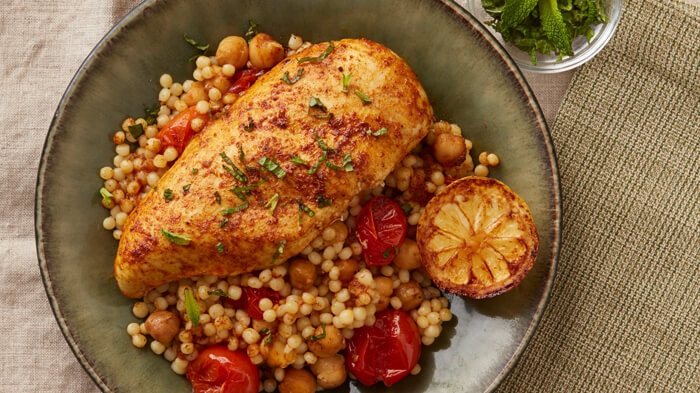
346 82
175 238
195 45
315 167
106 195
272 203
322 144
316 103
387 253
305 209
217 197
219 292
194 171
192 307
235 209
168 194
333 166
242 191
296 160
381 131
223 223
220 247
347 162
233 170
322 201
272 166
363 97
279 251
320 57
250 126
286 80
186 189
320 336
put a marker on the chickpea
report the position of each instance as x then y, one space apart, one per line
302 273
297 381
232 50
410 294
195 94
328 345
219 81
383 303
408 256
330 372
163 326
341 231
449 149
275 355
347 268
265 52
384 285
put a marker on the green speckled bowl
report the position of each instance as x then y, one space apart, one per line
470 80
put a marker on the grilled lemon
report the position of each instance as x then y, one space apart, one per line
477 238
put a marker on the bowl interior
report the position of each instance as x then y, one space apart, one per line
468 81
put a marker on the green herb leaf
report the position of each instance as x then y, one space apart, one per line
515 11
305 209
407 209
319 58
272 166
387 253
320 336
252 30
322 201
175 238
168 194
230 210
192 307
250 126
217 197
363 97
186 189
106 195
286 80
333 166
267 334
242 191
200 47
151 114
220 247
347 162
315 167
136 130
554 27
234 171
279 251
346 82
315 102
219 292
298 161
322 144
218 116
194 171
223 223
381 131
272 203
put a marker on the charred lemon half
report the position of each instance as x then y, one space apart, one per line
477 238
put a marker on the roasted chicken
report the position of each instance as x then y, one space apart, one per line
276 169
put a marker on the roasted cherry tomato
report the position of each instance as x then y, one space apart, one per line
386 351
178 132
242 80
381 228
220 370
250 298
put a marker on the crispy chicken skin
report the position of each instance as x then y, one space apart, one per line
273 120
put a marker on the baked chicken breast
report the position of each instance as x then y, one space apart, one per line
280 166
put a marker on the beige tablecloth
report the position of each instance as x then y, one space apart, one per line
624 314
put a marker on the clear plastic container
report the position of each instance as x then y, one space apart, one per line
583 50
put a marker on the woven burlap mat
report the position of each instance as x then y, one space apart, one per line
624 313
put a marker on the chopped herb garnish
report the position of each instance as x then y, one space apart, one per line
175 238
168 194
220 247
323 116
407 209
219 292
223 223
346 82
333 166
286 80
363 97
387 253
305 209
217 197
381 131
322 201
192 307
151 114
252 30
136 130
195 45
242 191
233 170
347 162
272 203
186 189
268 335
250 126
320 336
322 144
217 117
194 171
279 251
106 195
316 103
235 209
315 167
272 166
296 160
319 58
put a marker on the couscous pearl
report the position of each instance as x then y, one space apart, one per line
207 73
187 348
132 328
427 340
117 234
164 94
228 69
481 171
269 385
121 218
127 166
413 219
216 310
445 315
202 107
396 302
109 223
348 333
139 340
166 80
111 185
436 305
295 42
171 104
170 154
170 354
106 173
416 369
235 292
334 285
422 322
197 124
432 331
203 61
294 341
437 178
159 161
250 336
346 317
233 344
493 160
162 120
483 158
157 347
123 150
315 258
160 303
329 253
214 94
176 89
179 366
360 313
269 315
180 105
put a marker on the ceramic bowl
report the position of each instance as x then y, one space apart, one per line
470 80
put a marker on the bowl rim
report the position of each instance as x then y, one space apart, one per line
464 17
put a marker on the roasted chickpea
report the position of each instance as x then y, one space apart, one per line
275 355
195 94
265 52
449 149
328 345
163 326
347 268
383 285
410 294
297 381
330 372
408 256
232 50
302 273
383 303
219 81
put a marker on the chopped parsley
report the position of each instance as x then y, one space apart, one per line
168 194
106 195
219 292
279 251
296 160
272 203
220 247
320 57
286 79
320 336
186 189
322 144
347 162
272 166
381 131
217 197
136 130
333 166
233 169
365 99
252 30
175 238
151 114
223 223
322 201
346 82
235 209
192 307
387 253
268 335
194 171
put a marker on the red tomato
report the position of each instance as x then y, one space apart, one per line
219 370
381 228
386 351
178 132
242 80
250 298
